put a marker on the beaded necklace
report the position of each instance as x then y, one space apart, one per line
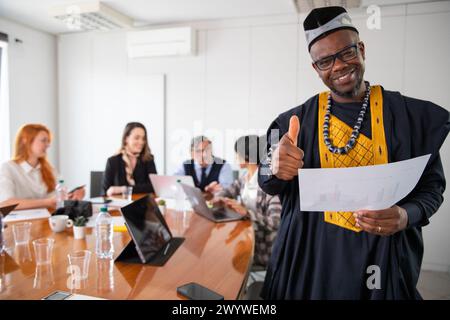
356 128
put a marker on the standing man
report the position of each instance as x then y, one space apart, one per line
332 255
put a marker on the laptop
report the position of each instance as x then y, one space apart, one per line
165 186
199 205
152 242
7 209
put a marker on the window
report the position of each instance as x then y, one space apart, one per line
5 141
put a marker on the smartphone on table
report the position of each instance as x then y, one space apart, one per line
195 291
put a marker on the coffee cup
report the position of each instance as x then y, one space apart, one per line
59 223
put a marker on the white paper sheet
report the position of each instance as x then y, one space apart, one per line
118 203
349 189
76 296
20 215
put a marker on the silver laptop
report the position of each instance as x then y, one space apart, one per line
216 214
165 186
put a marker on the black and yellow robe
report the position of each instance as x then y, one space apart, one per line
315 255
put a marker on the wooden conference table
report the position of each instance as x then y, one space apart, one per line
217 256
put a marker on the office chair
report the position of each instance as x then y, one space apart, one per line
96 184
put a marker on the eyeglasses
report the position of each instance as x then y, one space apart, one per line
202 150
346 54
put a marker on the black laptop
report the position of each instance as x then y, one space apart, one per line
152 242
199 205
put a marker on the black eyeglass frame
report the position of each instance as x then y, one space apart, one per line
339 56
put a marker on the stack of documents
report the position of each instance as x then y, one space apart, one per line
20 215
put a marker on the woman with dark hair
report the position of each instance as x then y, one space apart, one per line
132 165
247 198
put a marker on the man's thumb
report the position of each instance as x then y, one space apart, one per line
294 129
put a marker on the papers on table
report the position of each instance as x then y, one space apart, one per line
97 200
118 203
118 221
112 202
349 189
20 215
76 296
62 295
113 205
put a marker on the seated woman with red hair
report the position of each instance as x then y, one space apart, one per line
29 179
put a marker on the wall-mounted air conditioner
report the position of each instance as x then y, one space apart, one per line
161 42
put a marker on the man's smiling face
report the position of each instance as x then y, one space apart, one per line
343 78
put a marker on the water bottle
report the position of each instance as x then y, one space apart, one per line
61 194
179 197
104 235
105 275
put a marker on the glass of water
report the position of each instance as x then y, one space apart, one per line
128 193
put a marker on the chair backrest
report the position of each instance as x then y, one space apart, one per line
96 184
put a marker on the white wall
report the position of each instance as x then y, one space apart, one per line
425 76
32 80
99 94
247 71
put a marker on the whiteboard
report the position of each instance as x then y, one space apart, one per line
145 100
141 100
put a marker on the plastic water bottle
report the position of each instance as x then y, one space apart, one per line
179 197
104 235
61 194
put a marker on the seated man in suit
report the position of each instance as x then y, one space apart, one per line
209 173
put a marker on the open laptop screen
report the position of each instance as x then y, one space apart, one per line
146 226
165 186
195 197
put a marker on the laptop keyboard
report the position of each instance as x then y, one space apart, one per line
218 212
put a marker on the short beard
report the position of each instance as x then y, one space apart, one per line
350 94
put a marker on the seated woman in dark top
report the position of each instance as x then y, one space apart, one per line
132 165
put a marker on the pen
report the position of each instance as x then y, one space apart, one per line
167 248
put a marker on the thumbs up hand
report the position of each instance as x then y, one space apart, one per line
287 158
